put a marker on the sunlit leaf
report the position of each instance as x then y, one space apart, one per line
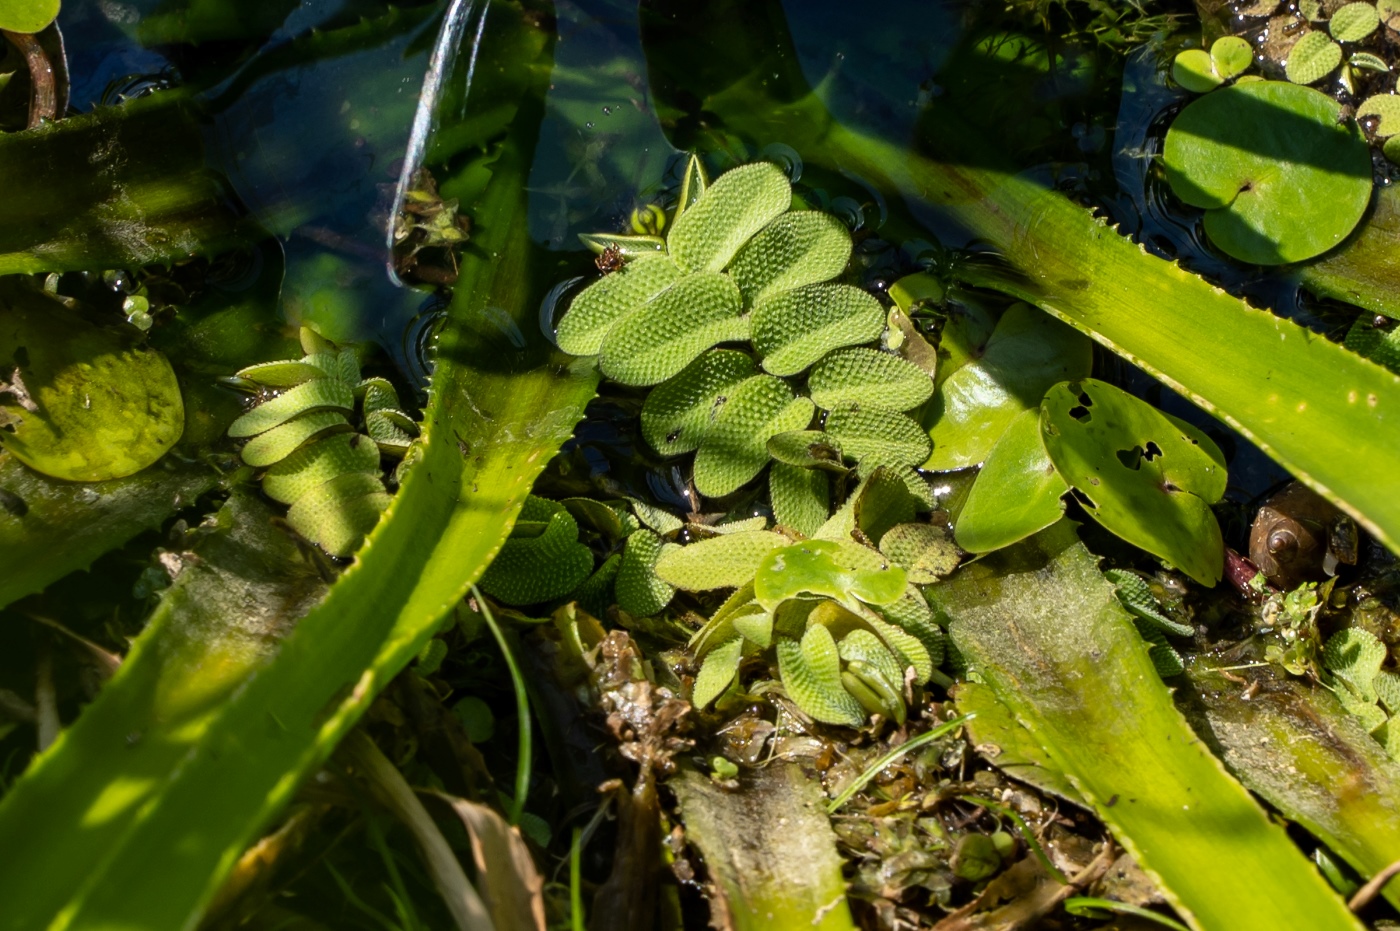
678 414
726 561
868 378
799 248
339 513
27 15
312 465
609 299
801 498
732 209
844 571
811 674
671 330
717 671
924 551
882 436
736 447
807 449
319 394
793 329
1017 493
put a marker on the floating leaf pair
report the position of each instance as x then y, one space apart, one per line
1200 71
314 460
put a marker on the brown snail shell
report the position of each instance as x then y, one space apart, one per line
1298 536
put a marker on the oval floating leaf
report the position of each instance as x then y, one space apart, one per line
811 674
671 330
793 329
717 671
1353 22
736 447
283 374
1193 70
609 299
799 248
542 566
1017 493
923 551
639 591
1231 56
869 378
726 561
1386 107
731 210
1148 478
1282 178
881 436
319 394
801 497
677 415
844 571
278 443
338 514
1312 58
27 16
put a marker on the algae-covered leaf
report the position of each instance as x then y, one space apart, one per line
736 447
1017 493
1027 353
811 674
609 299
82 402
726 561
672 329
801 497
27 16
678 413
1281 176
793 329
734 207
1145 476
881 436
542 566
799 248
844 571
717 671
640 592
868 378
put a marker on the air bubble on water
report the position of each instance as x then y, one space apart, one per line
550 307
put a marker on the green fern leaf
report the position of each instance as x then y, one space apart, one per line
1387 685
673 329
880 501
755 624
811 674
907 648
678 414
868 378
596 593
883 436
801 498
609 299
798 248
1355 655
717 672
613 520
639 591
926 552
283 374
1136 595
736 447
739 525
320 462
726 561
540 566
912 615
387 431
280 442
793 329
336 515
319 394
737 205
807 449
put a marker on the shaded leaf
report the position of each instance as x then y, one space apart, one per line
319 394
807 449
280 442
639 591
311 465
540 567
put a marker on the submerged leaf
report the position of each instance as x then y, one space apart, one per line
793 329
732 209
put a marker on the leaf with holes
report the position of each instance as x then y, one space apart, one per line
612 298
845 571
736 447
868 378
798 248
672 329
1017 493
793 329
1145 476
678 414
1027 353
811 674
1281 175
726 561
801 497
731 210
880 436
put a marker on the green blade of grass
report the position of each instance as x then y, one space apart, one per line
1044 629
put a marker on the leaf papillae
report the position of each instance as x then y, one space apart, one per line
793 329
669 332
731 210
736 447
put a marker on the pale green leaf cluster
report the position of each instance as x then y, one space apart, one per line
1354 658
314 460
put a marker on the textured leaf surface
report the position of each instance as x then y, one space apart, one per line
319 394
731 210
639 591
541 567
311 465
337 514
811 674
726 561
283 374
807 449
281 441
736 448
847 572
801 497
793 329
670 331
911 614
717 671
922 550
1136 596
883 436
1017 493
799 248
677 415
1356 655
609 299
868 378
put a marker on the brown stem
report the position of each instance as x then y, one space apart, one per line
43 103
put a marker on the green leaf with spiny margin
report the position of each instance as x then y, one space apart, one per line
844 571
319 394
736 447
868 378
543 566
677 414
912 615
798 248
717 671
737 205
884 436
726 561
924 551
609 299
1356 656
811 674
1380 345
793 329
639 591
801 498
672 329
337 514
807 449
320 462
1136 596
280 442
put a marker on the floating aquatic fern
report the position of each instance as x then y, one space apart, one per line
314 460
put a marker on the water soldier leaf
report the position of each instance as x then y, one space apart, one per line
736 447
811 674
678 414
868 378
726 561
1281 176
1027 353
878 436
846 572
793 329
672 329
539 566
602 304
731 210
1017 493
799 248
693 184
1146 477
801 498
82 403
640 592
1312 58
